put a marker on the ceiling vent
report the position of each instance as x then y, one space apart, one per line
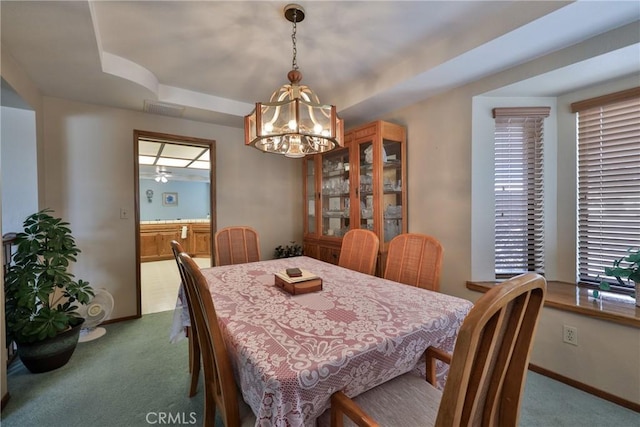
163 108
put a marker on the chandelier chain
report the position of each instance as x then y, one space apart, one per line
294 62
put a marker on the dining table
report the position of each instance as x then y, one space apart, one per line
290 353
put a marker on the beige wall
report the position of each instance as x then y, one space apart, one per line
88 172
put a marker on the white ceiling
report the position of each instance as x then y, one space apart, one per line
173 160
212 60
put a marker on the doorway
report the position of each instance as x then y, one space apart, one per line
175 200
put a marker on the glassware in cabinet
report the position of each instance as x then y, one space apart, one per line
310 196
381 179
335 193
392 189
366 185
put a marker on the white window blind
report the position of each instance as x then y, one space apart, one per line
608 181
519 190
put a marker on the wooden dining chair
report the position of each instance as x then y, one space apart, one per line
221 391
194 348
414 259
359 251
487 371
236 245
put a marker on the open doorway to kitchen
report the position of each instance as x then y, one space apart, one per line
175 200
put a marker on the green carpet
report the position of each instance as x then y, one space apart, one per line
133 377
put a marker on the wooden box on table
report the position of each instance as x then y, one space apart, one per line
307 282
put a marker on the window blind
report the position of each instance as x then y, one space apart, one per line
608 182
519 190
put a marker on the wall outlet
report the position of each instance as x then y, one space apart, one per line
570 335
124 213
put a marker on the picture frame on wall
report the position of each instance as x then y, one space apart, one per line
169 199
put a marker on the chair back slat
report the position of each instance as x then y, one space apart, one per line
359 251
220 385
490 360
192 330
512 317
415 259
236 245
177 249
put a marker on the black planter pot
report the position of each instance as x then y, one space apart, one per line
49 354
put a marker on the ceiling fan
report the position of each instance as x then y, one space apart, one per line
162 174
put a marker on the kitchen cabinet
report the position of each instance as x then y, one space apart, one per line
155 239
362 185
200 239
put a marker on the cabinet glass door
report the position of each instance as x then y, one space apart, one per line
335 193
310 195
392 189
365 192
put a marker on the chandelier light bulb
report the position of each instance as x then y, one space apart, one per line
294 150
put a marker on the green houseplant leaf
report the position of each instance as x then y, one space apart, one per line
627 267
40 292
288 251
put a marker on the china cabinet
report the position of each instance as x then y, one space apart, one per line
362 185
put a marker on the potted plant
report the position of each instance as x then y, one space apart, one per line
41 295
627 267
288 251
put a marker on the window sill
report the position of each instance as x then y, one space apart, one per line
569 297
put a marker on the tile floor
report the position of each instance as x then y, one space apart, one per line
160 281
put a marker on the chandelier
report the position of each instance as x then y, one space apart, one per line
294 122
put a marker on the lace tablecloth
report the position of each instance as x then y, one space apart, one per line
290 353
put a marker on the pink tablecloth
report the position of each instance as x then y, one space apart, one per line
290 353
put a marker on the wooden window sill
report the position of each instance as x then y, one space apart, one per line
569 297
